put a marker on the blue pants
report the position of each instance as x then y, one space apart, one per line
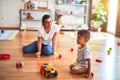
32 48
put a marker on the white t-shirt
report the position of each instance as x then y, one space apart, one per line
82 55
47 37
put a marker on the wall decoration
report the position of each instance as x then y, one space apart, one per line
43 5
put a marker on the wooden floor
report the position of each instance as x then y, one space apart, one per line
109 69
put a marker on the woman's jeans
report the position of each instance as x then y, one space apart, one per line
32 48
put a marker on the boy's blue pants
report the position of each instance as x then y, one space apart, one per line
32 48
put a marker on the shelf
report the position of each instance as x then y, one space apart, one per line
34 20
75 27
73 13
34 9
82 15
29 20
74 4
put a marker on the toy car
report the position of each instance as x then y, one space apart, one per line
48 70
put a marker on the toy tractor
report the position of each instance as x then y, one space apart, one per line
48 70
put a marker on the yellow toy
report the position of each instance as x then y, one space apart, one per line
48 70
13 38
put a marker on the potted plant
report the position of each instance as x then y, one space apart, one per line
99 15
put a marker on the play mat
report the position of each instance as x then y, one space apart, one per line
94 35
8 34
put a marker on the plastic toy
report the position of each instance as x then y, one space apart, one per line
71 49
119 43
2 31
59 56
48 70
25 30
13 38
19 64
4 56
99 60
110 48
109 51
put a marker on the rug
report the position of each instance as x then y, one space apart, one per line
97 35
8 34
94 35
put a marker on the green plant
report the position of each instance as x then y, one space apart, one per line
99 15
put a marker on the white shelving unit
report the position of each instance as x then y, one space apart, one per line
35 23
74 15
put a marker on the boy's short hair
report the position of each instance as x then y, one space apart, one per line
84 33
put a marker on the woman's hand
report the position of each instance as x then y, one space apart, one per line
54 53
38 54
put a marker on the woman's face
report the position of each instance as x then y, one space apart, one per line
48 22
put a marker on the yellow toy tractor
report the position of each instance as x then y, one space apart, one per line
48 70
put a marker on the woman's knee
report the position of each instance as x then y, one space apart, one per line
47 50
26 49
31 48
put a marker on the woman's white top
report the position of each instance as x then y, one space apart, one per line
47 37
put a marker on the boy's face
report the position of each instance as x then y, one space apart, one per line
81 40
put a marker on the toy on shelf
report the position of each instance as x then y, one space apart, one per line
29 16
68 2
4 56
48 70
99 60
59 1
23 26
29 5
82 1
19 64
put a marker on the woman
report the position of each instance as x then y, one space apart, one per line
46 43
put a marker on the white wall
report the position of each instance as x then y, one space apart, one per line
9 12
